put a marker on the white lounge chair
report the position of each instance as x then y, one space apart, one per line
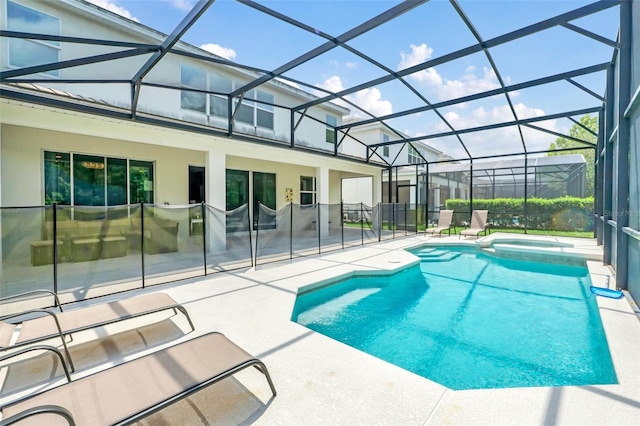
444 223
478 224
65 323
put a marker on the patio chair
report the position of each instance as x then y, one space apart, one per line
478 224
128 392
444 223
65 323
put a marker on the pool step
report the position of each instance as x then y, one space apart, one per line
430 253
437 256
426 251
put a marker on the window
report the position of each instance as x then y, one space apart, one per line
245 110
89 180
141 181
307 190
28 53
264 110
218 104
193 78
116 181
414 156
264 200
57 179
385 149
256 108
237 196
332 122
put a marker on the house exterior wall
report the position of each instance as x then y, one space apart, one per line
28 130
23 149
76 18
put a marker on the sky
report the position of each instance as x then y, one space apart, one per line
430 30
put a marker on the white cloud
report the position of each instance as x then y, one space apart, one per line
371 100
368 99
504 140
332 84
216 49
349 65
113 7
418 55
442 87
185 5
469 83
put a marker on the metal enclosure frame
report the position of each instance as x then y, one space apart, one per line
617 136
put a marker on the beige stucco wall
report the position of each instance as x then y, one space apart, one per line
22 163
27 130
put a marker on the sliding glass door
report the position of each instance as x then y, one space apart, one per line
237 196
264 200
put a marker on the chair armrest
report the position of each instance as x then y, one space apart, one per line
40 348
34 411
55 318
42 311
28 293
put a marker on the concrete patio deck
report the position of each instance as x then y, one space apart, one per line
321 381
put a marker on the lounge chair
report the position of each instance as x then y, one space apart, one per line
478 224
65 323
128 392
444 223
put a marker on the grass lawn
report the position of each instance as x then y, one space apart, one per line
577 234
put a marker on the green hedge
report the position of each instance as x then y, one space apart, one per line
558 214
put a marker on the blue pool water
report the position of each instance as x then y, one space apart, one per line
470 321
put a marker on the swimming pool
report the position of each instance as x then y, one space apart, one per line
468 320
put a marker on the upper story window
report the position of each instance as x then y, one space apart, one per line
332 122
28 53
218 104
256 108
193 78
414 156
264 109
385 149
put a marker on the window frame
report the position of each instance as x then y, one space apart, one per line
330 129
306 191
105 183
385 148
413 157
46 43
251 100
224 98
206 88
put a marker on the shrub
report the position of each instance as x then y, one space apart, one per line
558 214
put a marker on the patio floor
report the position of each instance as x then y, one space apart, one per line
321 381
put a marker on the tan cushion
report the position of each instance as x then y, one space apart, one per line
6 332
115 394
88 317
